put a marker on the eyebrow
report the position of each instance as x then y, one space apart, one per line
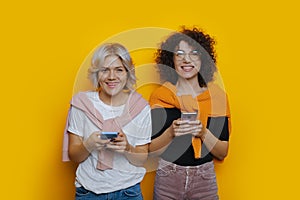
121 66
194 49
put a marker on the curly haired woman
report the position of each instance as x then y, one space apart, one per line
186 62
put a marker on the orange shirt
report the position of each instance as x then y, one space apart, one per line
211 103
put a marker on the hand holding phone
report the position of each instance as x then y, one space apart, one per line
108 135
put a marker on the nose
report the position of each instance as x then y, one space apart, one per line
186 58
111 74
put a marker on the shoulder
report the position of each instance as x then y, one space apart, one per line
137 101
166 87
91 95
216 91
215 87
76 113
219 100
134 96
162 93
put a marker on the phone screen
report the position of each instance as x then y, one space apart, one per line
108 135
189 116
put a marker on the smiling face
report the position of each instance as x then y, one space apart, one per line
112 77
187 61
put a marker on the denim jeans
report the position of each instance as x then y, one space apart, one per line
132 193
174 182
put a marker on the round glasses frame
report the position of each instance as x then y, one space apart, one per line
193 55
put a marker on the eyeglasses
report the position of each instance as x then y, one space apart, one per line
193 55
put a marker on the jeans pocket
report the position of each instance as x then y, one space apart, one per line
165 171
208 176
81 192
162 172
133 192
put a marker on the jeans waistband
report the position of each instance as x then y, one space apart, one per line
174 167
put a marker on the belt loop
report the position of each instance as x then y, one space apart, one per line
174 167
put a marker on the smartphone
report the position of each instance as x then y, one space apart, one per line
105 135
189 116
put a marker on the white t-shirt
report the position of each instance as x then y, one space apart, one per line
123 174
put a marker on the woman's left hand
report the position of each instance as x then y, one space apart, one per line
183 127
119 144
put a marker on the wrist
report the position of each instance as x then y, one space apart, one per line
171 132
128 148
204 133
87 146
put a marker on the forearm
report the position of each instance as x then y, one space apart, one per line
78 153
137 155
159 144
216 147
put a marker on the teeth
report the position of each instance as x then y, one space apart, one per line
111 84
187 67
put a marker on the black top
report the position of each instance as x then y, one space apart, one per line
180 151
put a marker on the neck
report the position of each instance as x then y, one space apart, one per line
188 87
114 100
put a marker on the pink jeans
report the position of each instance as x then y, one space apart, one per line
185 182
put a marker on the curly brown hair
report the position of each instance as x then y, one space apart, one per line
198 39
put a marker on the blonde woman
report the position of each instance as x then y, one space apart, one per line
109 168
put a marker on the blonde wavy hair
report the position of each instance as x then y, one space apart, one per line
109 49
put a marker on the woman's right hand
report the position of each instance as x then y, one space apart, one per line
183 127
93 142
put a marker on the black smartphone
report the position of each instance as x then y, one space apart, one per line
189 116
108 135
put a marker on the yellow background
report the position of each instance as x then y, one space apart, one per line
44 43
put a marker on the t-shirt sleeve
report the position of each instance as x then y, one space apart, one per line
219 126
76 119
142 127
162 118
